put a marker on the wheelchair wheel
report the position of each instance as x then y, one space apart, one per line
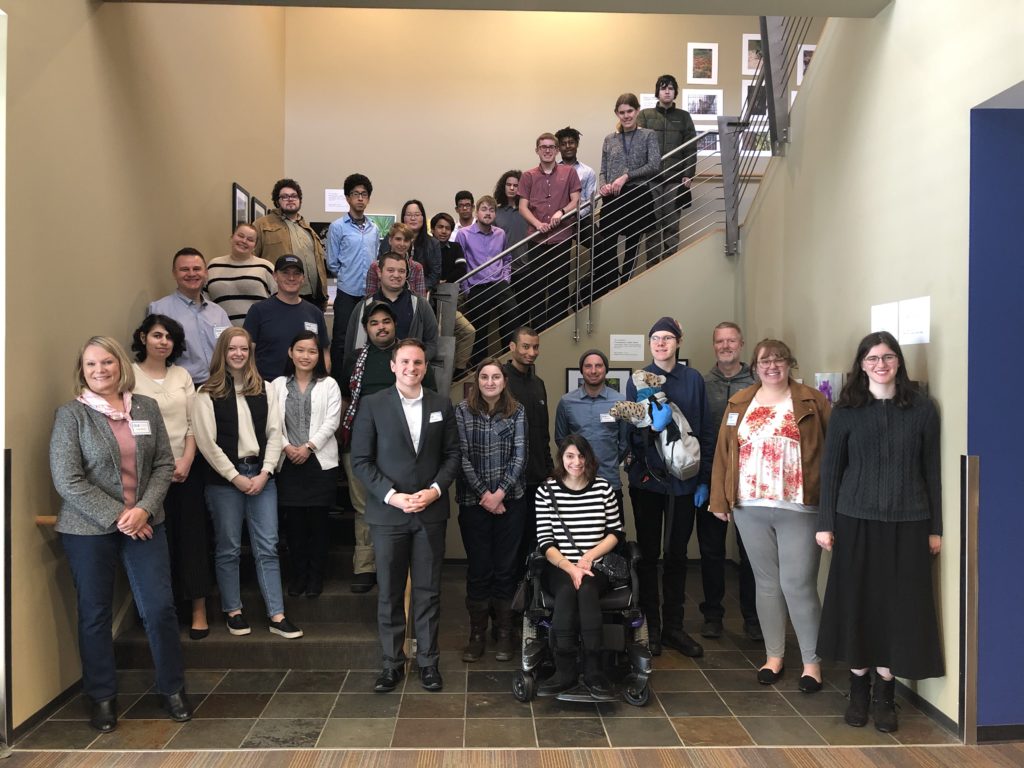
524 686
636 698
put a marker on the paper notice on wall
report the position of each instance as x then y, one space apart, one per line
915 320
886 317
334 201
648 101
626 346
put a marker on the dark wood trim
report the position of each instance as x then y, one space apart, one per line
988 734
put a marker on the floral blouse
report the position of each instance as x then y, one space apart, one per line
769 458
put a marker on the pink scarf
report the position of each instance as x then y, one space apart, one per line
97 403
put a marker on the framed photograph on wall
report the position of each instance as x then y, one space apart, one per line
239 205
616 378
751 55
257 208
383 222
702 63
703 104
756 141
707 143
803 61
760 98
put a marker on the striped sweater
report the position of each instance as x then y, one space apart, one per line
591 514
237 285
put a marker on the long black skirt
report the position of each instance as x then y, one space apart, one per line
306 484
879 608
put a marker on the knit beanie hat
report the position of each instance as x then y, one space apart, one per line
589 352
666 324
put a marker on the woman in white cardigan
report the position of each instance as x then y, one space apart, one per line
310 410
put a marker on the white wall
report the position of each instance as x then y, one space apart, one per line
870 205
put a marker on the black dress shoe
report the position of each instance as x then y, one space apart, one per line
363 582
712 629
389 679
752 629
104 715
682 642
430 678
808 684
198 634
599 686
178 707
765 676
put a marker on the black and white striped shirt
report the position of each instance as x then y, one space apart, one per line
591 514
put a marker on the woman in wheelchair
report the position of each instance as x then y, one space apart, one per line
578 522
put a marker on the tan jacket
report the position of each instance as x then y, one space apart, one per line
811 411
273 240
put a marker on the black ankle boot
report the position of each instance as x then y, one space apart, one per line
883 705
860 697
565 677
595 679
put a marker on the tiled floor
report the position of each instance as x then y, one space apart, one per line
712 701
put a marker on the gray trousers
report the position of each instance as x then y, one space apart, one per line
784 557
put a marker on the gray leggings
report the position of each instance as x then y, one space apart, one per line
784 556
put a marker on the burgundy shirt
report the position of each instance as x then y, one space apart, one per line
547 193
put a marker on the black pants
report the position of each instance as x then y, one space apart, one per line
343 305
486 303
576 611
542 288
492 548
188 541
528 542
307 541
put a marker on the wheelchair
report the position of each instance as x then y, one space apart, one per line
625 655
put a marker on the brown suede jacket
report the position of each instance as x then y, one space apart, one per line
811 411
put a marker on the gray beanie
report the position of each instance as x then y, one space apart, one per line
589 352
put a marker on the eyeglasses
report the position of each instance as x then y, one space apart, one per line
413 215
359 194
662 339
888 359
768 362
288 197
547 147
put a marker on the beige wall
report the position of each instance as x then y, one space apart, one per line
871 205
429 102
126 126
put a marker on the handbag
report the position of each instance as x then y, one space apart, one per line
612 564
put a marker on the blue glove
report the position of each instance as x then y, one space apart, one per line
661 416
700 498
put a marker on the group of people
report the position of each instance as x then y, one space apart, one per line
240 406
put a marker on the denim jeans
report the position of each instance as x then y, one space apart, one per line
93 561
228 507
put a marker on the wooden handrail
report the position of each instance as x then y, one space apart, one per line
46 519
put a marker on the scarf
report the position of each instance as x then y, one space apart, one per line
355 387
98 404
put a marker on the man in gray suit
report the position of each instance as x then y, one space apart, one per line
405 449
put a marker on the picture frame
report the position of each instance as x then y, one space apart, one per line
702 63
747 91
383 222
708 143
704 103
803 61
239 205
257 208
757 142
616 378
752 52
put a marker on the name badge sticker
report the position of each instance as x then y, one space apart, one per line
219 329
312 327
732 420
435 416
607 418
140 427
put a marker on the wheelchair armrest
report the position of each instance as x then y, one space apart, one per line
631 551
535 564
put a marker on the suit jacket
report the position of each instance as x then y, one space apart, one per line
85 463
383 457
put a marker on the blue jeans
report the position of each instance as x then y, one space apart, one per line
93 561
228 507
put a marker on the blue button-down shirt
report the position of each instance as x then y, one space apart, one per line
588 416
203 322
351 248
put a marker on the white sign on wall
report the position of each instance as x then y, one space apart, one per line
626 346
334 201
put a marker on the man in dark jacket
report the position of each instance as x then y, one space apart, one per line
674 128
528 388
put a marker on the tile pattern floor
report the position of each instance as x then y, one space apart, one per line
711 701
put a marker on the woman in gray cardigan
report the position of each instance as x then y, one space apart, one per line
111 463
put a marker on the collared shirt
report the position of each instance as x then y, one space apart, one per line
203 322
547 193
351 248
493 453
588 186
298 412
480 247
588 416
302 246
413 409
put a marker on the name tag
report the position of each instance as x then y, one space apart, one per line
435 416
140 427
607 418
311 327
732 420
219 329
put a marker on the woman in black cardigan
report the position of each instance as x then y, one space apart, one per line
881 516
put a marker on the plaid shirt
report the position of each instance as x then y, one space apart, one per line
493 453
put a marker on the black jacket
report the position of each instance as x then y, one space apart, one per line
528 389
